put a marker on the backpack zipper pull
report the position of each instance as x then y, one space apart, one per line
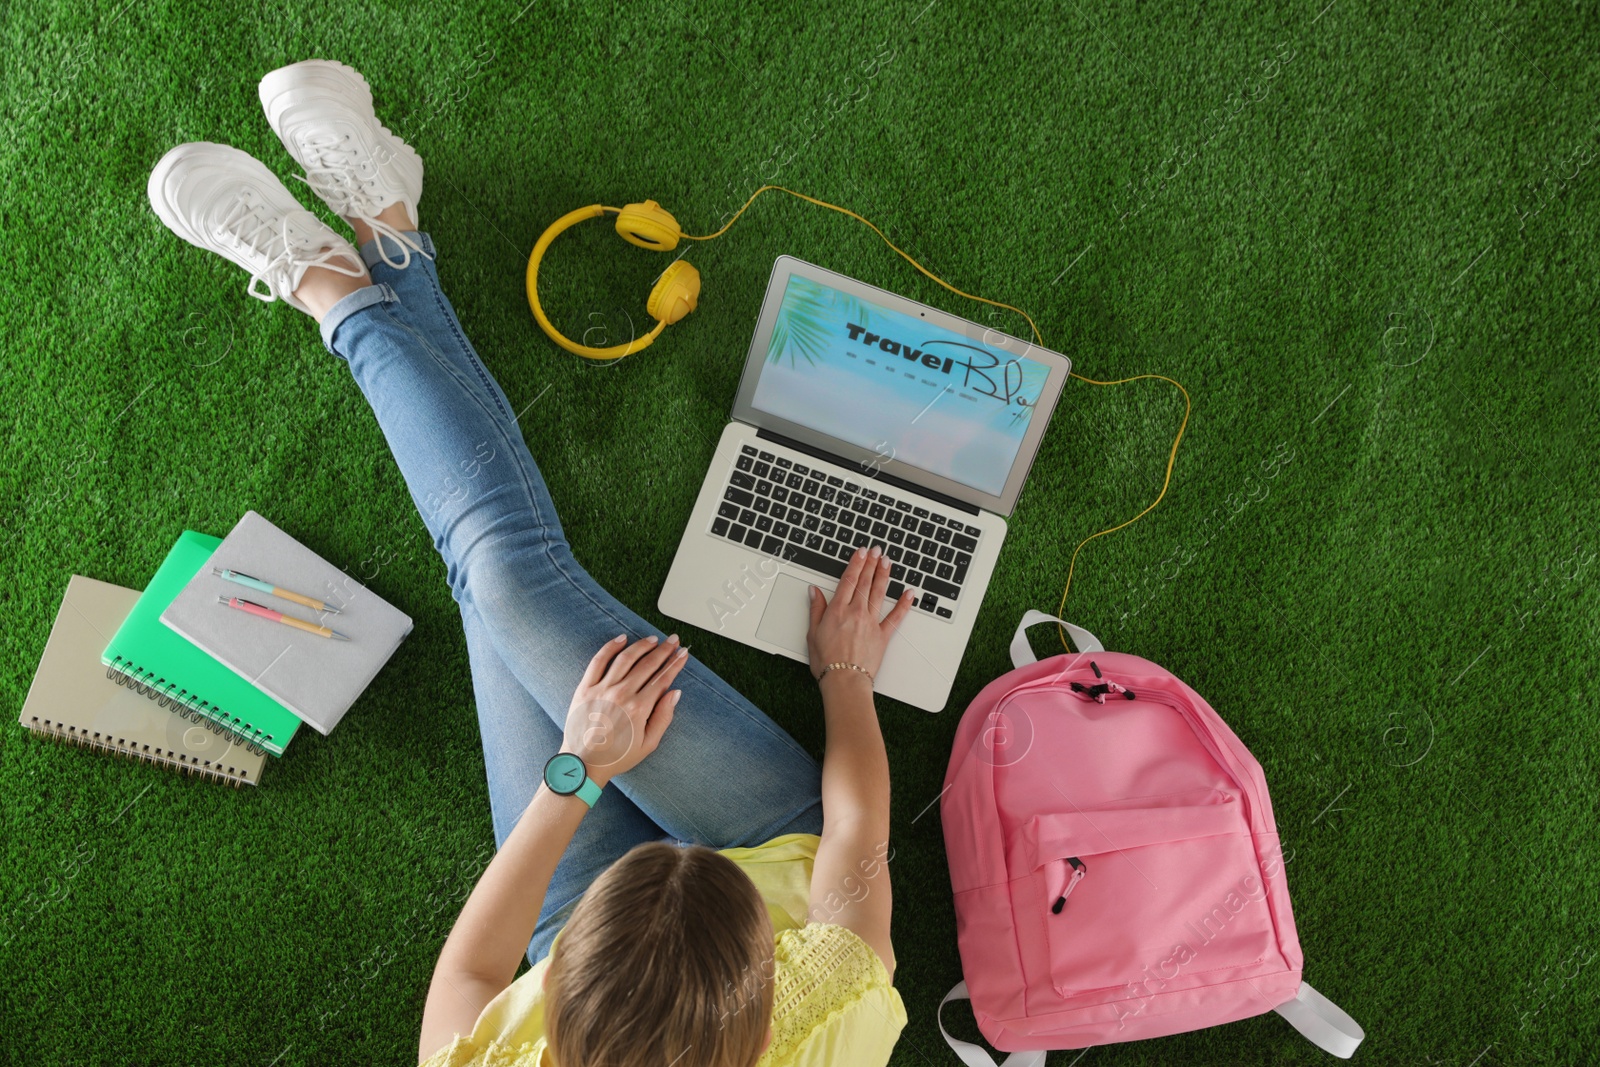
1078 870
1100 690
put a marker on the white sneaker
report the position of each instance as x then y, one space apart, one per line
226 201
322 112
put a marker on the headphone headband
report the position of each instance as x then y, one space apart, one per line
646 225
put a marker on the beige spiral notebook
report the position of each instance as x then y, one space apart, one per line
72 700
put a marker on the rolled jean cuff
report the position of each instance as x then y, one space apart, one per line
371 251
359 300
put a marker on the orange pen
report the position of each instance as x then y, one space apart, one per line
278 616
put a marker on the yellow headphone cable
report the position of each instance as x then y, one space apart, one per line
677 291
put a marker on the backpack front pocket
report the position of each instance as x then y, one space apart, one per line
1128 901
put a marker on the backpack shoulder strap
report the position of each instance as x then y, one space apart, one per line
972 1055
1322 1022
1022 652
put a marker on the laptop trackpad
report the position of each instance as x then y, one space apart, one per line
788 615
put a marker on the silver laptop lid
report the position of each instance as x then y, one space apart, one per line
895 386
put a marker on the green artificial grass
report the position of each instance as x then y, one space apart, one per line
1375 558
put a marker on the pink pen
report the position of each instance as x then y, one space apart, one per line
277 616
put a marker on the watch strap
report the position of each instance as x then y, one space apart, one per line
589 791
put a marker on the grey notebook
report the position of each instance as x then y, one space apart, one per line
73 700
317 678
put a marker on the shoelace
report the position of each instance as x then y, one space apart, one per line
246 225
331 174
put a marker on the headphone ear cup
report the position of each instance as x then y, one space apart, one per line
676 294
648 225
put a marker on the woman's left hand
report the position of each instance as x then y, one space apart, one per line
622 706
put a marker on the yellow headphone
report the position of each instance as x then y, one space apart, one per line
647 225
677 291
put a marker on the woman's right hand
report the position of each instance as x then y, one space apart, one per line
847 629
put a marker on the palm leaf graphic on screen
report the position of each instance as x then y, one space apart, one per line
810 317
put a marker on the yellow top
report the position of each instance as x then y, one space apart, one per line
832 1000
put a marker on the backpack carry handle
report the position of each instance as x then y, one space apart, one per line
1022 652
973 1055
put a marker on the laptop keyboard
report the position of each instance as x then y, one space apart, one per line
784 508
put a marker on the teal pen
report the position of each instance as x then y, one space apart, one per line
267 587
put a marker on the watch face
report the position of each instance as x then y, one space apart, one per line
564 773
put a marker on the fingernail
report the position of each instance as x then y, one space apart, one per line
652 639
673 639
619 637
875 552
683 653
677 694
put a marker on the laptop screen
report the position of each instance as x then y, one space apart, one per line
899 386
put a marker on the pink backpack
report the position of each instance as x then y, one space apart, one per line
1116 867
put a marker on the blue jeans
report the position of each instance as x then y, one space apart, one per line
724 775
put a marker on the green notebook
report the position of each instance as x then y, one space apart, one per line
155 660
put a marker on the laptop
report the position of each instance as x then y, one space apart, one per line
863 418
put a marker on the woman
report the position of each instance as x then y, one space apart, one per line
725 902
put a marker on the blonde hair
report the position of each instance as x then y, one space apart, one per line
667 959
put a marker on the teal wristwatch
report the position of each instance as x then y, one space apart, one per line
566 776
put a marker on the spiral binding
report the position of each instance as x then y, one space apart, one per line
186 704
177 762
